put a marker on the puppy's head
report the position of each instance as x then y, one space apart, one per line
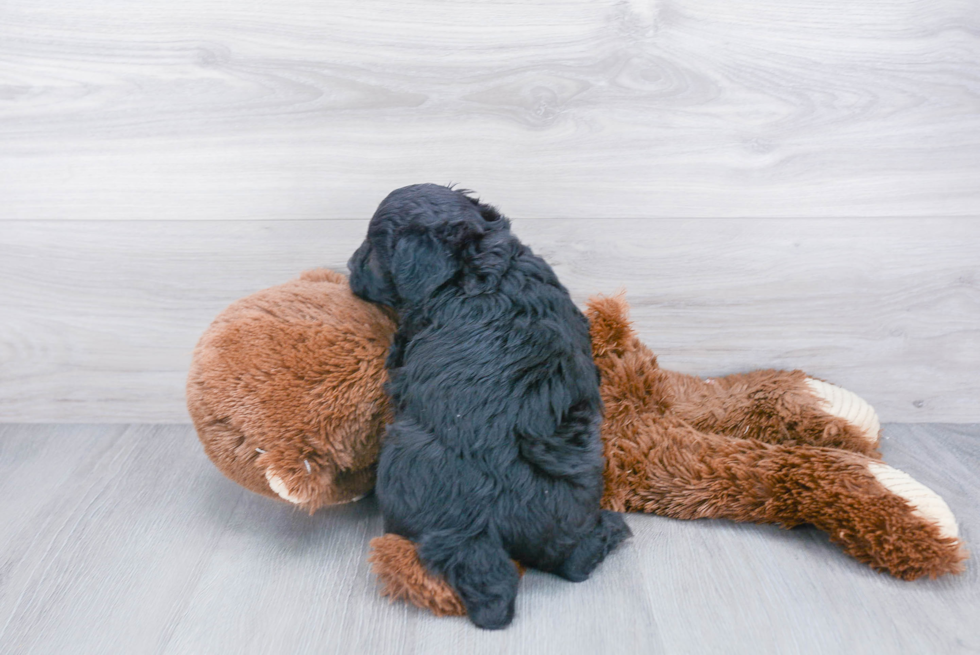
420 238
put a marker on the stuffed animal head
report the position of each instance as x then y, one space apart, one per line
422 236
286 390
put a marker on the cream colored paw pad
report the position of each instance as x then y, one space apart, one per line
848 406
277 485
926 503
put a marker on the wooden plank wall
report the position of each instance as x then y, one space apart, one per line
775 184
102 316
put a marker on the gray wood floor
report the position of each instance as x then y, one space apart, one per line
124 539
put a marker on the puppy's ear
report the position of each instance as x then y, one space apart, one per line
420 264
368 280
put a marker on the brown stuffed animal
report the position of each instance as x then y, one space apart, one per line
286 389
286 392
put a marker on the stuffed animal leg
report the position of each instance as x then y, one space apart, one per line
785 407
766 447
875 513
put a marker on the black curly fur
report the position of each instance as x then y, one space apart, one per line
494 452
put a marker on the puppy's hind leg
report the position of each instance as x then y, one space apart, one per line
609 532
480 571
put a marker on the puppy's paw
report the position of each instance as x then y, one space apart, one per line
925 503
494 614
610 531
846 405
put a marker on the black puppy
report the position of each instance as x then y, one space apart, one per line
494 452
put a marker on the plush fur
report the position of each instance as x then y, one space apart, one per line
494 451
